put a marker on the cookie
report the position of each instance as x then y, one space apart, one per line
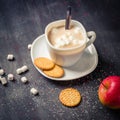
44 63
55 72
70 97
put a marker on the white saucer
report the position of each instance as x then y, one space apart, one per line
84 66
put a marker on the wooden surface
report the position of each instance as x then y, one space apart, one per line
21 21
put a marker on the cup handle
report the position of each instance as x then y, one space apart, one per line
91 35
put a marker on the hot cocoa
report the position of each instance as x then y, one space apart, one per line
61 38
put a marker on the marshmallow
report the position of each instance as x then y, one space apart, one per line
10 77
66 42
54 30
70 38
2 72
19 71
24 80
24 68
10 57
63 37
3 80
77 30
34 91
29 46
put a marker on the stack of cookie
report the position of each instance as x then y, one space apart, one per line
49 67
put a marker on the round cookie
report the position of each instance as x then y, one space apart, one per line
44 63
55 72
70 97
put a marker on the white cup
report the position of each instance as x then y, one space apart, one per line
68 56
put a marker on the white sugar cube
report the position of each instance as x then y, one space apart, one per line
3 80
19 71
2 72
24 68
10 77
24 79
10 57
34 91
29 46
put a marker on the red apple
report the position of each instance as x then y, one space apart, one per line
109 92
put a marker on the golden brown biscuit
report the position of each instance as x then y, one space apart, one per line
55 72
44 63
70 97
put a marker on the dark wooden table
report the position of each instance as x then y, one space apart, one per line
21 21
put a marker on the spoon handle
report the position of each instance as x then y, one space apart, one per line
68 18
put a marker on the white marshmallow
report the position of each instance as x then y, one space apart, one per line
24 79
77 30
75 42
24 68
2 72
3 80
10 57
66 42
19 71
63 37
10 77
57 41
34 91
54 30
70 38
29 46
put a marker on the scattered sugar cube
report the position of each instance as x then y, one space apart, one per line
19 71
2 72
10 77
10 57
24 68
3 80
34 91
24 79
29 46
